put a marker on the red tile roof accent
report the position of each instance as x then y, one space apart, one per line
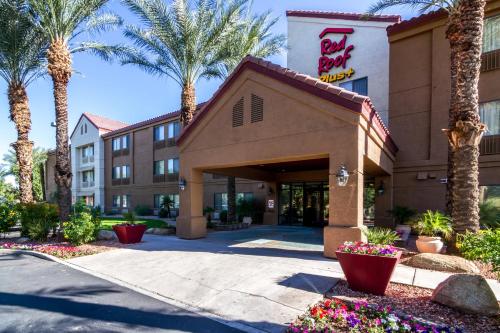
355 102
343 16
101 123
416 21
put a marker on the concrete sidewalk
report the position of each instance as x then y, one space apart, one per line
264 288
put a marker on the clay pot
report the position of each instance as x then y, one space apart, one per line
427 244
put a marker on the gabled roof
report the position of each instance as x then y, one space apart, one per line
416 21
100 122
348 99
343 16
164 117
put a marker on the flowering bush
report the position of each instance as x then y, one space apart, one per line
60 251
370 249
333 315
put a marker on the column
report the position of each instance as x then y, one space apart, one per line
191 224
271 213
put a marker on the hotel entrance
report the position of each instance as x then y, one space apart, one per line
303 203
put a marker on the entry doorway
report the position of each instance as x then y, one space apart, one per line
303 204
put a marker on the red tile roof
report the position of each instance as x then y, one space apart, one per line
416 21
343 16
104 123
350 100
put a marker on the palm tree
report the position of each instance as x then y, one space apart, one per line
465 130
61 22
22 51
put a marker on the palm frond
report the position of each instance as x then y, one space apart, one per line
421 5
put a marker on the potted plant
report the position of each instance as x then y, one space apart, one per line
368 267
402 216
129 233
431 226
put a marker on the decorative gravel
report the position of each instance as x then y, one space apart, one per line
417 302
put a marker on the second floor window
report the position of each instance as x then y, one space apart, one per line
491 34
490 115
121 172
173 129
159 133
159 168
88 176
88 151
359 86
121 143
173 165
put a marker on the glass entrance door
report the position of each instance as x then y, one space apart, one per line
303 204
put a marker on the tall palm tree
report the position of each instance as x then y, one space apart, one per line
465 130
61 22
22 50
183 41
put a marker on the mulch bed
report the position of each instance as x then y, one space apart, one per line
417 302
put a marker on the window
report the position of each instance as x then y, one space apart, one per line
88 176
116 201
173 165
116 144
490 115
173 129
159 168
359 86
85 128
125 141
175 200
491 34
159 133
116 172
125 201
88 151
120 143
158 200
220 201
247 196
125 171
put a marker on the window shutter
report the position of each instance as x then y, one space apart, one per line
238 113
257 109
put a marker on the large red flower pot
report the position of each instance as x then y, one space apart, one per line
129 233
367 273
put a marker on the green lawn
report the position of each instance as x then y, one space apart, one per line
108 222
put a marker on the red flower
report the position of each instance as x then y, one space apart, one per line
328 302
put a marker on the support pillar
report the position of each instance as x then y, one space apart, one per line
271 214
191 224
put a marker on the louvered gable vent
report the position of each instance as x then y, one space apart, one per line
257 109
238 113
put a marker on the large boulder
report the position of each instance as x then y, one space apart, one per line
467 293
161 231
106 235
442 262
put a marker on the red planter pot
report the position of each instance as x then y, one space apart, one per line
367 273
128 234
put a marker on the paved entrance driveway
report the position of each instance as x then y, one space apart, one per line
255 277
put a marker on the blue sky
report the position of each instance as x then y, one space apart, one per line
127 94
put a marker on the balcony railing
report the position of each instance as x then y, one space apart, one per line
171 142
490 61
160 144
87 159
122 181
169 177
121 152
87 184
158 178
490 144
172 177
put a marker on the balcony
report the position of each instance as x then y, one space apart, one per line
121 152
490 145
490 61
169 177
122 181
171 142
87 184
158 178
160 144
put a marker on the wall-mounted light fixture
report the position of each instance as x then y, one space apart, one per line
381 188
182 184
342 176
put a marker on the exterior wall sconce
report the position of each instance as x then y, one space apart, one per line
342 176
182 184
381 189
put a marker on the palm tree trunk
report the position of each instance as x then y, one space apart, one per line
231 199
21 116
466 129
59 68
188 104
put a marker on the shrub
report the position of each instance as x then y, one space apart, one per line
207 211
244 208
433 224
37 219
223 216
130 217
381 236
489 214
163 213
143 210
483 245
8 216
80 229
402 214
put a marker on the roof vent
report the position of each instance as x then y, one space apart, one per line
257 109
238 113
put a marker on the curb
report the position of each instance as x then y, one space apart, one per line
140 290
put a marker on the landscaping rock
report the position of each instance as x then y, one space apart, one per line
106 235
441 262
467 293
161 231
23 240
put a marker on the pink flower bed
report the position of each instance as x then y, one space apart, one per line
58 250
336 316
369 249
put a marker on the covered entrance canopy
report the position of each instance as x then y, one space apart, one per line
280 127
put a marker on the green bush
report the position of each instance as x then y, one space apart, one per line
402 214
9 215
381 236
37 219
433 224
80 229
130 217
244 208
483 246
143 210
489 214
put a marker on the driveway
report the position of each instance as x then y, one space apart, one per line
37 295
